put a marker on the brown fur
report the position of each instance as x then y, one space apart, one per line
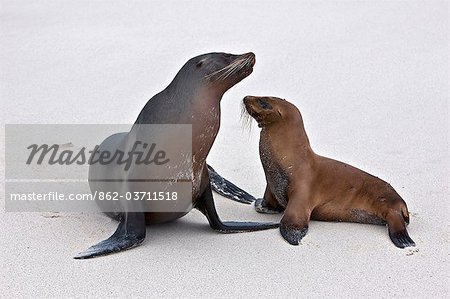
308 186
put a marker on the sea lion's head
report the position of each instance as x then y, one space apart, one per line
270 110
219 71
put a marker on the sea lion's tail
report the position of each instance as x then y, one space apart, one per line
227 189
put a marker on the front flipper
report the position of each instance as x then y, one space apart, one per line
228 189
206 205
397 230
292 233
130 233
294 224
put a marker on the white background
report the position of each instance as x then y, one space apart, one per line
370 78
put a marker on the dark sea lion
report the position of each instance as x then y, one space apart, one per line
307 186
193 97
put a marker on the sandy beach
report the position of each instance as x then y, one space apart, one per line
371 79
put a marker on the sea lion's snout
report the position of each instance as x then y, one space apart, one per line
228 69
250 57
265 110
249 103
257 103
253 108
246 62
248 99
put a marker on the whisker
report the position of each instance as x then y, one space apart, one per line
221 70
246 119
230 69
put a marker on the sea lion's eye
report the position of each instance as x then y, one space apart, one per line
199 64
264 104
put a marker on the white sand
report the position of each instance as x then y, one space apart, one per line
371 79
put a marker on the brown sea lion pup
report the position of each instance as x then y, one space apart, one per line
307 186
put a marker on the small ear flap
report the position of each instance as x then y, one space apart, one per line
279 112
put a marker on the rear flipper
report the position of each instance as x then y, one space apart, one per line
207 207
401 239
228 189
130 233
397 231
